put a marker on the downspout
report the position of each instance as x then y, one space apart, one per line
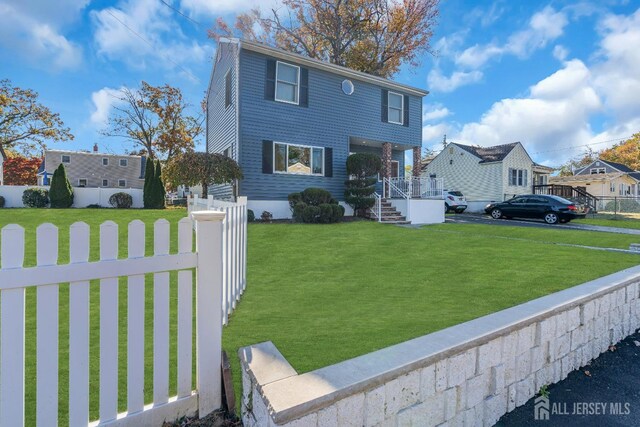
237 106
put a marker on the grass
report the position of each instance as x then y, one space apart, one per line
619 221
30 219
326 293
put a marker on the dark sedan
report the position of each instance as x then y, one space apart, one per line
552 209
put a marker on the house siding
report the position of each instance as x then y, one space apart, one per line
221 119
477 181
89 166
516 159
597 164
329 120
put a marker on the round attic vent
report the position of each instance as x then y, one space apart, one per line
347 87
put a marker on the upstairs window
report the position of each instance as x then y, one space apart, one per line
65 159
595 171
105 161
124 162
395 108
287 83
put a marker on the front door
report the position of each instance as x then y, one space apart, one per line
395 169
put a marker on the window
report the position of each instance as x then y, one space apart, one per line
65 159
298 159
105 161
612 187
518 177
122 183
227 89
82 182
595 171
227 152
124 162
287 82
105 182
396 108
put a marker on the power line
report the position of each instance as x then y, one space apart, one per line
180 13
583 145
152 46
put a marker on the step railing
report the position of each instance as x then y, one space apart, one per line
414 188
376 210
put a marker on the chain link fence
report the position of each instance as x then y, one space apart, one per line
618 205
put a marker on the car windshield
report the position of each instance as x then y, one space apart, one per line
456 193
561 200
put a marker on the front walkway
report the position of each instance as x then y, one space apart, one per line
612 381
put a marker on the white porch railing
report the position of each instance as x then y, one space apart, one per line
413 188
234 250
49 276
376 210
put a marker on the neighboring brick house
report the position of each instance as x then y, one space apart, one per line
602 178
93 169
291 122
486 174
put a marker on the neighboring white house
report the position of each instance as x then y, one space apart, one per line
487 174
1 170
602 178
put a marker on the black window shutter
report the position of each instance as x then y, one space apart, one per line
385 105
227 89
304 87
328 162
267 156
405 122
270 82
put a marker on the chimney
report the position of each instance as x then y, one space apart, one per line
95 147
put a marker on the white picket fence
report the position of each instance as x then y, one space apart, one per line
234 251
48 276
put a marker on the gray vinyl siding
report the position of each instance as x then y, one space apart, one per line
601 164
329 120
221 119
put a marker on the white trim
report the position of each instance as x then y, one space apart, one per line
125 183
286 160
105 185
103 163
275 89
401 122
86 182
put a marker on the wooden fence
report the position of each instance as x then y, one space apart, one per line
48 276
234 251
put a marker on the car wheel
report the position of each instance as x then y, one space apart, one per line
459 211
446 208
550 218
496 214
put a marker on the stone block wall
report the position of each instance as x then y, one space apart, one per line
467 375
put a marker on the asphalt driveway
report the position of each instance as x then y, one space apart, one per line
466 218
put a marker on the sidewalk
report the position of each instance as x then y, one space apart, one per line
613 379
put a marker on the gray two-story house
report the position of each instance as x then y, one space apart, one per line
290 122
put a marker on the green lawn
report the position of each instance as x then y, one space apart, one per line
619 221
326 293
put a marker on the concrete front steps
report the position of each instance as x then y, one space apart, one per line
390 215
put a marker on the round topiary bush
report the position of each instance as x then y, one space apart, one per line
251 217
310 214
121 200
35 198
326 213
2 202
326 207
298 210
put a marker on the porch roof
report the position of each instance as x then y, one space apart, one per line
366 142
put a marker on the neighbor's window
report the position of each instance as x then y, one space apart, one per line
287 82
595 171
122 183
124 162
105 161
396 108
82 182
612 187
105 182
298 159
65 159
227 89
518 177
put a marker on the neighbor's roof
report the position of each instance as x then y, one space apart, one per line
326 66
497 153
93 153
619 166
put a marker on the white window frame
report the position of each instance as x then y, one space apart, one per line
597 171
105 163
126 163
389 107
125 183
103 183
62 156
86 182
275 89
286 160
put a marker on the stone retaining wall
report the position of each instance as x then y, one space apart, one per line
468 375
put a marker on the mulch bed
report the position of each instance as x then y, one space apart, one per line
218 418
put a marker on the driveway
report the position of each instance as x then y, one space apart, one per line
604 393
574 225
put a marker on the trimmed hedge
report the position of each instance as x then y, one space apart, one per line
121 200
251 217
35 198
315 205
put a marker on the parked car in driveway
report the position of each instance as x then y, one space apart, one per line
552 209
454 201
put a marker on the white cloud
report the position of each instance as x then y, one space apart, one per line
440 83
35 33
560 52
103 100
544 27
436 112
432 134
143 33
209 7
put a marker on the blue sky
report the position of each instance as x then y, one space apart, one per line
554 75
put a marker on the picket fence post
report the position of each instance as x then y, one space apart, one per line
208 310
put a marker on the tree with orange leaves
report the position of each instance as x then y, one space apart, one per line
626 152
372 36
20 170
